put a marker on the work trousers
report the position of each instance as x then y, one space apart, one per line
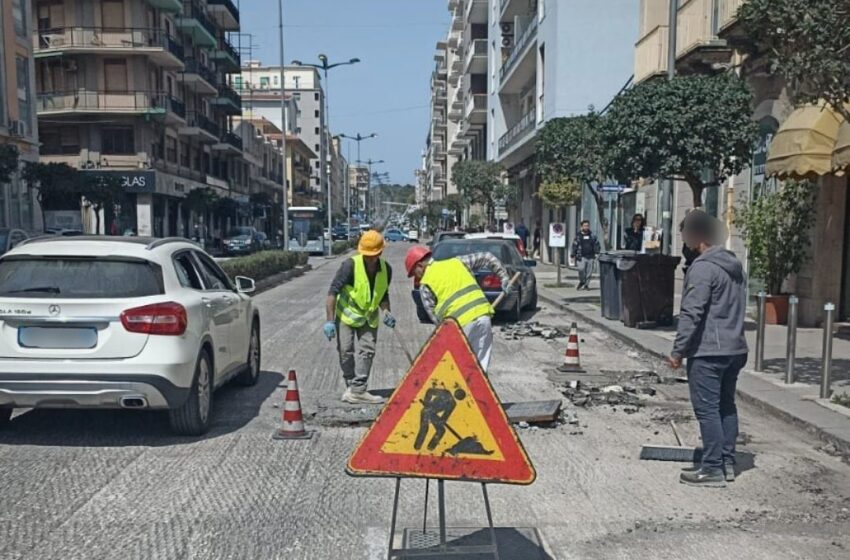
355 372
712 382
585 271
480 335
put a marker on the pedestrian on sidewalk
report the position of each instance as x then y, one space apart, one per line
358 293
522 232
449 289
633 238
711 336
535 241
585 249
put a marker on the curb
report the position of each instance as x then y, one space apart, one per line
823 434
277 279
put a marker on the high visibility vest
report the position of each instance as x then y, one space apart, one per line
358 305
457 292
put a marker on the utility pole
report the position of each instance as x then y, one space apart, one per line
283 135
359 138
369 184
667 185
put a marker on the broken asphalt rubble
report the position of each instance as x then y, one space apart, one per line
582 393
526 329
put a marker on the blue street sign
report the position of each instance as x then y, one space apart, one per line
610 188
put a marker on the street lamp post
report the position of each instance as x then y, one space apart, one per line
358 138
369 183
283 135
325 66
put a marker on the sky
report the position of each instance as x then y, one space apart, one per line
388 93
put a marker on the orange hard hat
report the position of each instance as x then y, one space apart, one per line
414 256
371 243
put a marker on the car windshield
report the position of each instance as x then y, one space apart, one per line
239 232
84 278
500 249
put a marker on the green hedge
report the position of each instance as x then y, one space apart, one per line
263 264
340 247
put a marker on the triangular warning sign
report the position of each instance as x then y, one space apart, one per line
443 421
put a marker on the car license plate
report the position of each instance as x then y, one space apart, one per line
57 337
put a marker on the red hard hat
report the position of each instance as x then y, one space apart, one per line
414 256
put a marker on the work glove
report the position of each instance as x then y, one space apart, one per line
330 330
507 287
389 320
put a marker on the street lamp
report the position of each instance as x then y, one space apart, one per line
358 138
283 135
370 163
325 66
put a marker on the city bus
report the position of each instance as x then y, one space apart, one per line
305 230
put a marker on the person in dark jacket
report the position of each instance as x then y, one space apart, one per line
633 239
710 335
585 250
522 232
535 241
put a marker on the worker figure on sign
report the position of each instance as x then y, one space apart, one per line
437 406
358 293
449 289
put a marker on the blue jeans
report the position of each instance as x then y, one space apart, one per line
712 382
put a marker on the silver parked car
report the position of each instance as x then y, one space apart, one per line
123 322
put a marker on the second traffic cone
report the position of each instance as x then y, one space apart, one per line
292 421
572 360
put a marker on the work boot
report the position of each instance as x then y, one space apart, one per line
703 477
361 397
729 470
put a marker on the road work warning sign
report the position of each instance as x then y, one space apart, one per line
444 421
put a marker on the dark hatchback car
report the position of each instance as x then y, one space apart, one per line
525 290
242 240
443 235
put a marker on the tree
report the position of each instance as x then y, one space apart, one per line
8 162
560 195
807 43
100 191
201 200
572 152
480 182
454 204
697 129
58 185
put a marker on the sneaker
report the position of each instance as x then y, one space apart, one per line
364 397
729 470
580 286
702 477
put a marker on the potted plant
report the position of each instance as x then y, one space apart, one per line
775 227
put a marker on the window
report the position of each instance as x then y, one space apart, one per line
214 277
276 81
237 82
264 82
186 273
296 95
316 113
171 149
317 148
51 15
60 141
19 17
115 74
316 96
184 154
117 141
112 12
316 130
24 91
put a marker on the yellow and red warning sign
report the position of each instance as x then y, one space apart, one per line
444 421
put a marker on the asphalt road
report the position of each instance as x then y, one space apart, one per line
92 485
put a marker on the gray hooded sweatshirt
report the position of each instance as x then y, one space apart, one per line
714 301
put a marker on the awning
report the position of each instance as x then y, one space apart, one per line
841 153
805 142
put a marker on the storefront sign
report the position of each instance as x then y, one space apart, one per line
132 181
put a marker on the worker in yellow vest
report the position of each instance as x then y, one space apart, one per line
358 294
448 288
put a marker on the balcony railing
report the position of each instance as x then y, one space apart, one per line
227 92
196 119
697 25
194 66
108 101
226 51
475 102
522 42
232 139
129 38
193 11
227 4
651 54
477 49
728 12
176 106
517 131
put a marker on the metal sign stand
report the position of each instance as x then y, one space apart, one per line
443 549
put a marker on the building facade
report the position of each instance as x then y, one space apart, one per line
138 89
18 124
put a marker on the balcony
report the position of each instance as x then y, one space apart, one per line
476 11
118 41
176 110
727 15
697 43
458 144
228 100
520 47
195 23
109 103
476 57
226 56
651 54
229 143
202 80
201 127
173 6
475 111
511 8
226 13
517 132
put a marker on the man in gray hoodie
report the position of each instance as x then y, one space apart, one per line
711 336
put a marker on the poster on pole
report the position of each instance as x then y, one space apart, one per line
508 228
557 235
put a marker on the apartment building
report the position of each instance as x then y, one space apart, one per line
18 126
137 89
435 156
358 179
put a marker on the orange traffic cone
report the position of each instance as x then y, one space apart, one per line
572 361
292 421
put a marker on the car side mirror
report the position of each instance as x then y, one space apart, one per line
245 285
531 263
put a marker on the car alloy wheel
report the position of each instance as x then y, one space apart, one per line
192 418
204 391
251 372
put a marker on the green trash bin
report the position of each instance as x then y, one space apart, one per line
647 284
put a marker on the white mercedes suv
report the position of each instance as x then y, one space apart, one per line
122 322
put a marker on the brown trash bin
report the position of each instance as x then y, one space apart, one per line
647 284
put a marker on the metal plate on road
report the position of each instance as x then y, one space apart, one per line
444 421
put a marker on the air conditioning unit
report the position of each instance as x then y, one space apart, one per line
507 41
507 28
17 128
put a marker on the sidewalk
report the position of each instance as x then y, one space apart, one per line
797 403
